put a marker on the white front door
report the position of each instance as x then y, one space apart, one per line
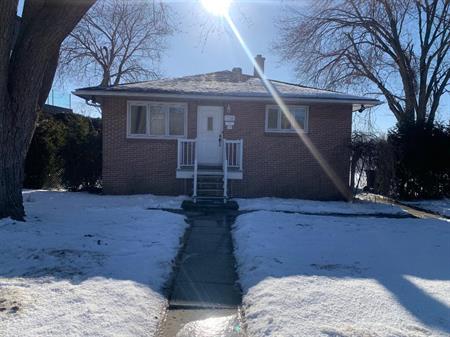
209 135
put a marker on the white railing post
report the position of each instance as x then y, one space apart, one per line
225 172
194 194
225 181
194 142
186 146
187 152
241 150
234 150
179 154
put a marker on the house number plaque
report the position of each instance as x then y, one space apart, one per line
229 121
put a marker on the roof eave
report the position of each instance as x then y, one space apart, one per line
90 94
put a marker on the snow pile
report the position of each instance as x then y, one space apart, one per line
86 265
441 207
92 200
306 275
318 207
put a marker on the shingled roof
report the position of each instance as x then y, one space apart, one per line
222 85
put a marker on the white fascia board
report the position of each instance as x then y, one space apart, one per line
88 94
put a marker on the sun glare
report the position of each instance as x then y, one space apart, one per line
279 101
217 7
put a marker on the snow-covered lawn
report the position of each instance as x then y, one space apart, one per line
306 275
441 207
87 265
318 207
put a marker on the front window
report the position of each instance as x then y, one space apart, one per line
138 119
272 118
276 121
300 114
285 124
158 120
176 121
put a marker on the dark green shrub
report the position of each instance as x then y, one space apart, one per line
385 173
412 163
422 161
373 160
65 152
43 165
81 154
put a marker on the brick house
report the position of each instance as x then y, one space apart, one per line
221 134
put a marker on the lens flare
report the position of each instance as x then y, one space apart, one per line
329 171
217 7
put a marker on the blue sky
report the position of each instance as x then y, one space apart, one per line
190 52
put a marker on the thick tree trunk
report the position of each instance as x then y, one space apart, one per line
11 177
26 75
16 130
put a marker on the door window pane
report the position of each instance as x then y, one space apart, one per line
176 121
272 119
210 126
138 120
157 121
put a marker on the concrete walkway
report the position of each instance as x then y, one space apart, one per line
205 297
414 211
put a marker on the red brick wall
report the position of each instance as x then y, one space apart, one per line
137 165
279 164
274 164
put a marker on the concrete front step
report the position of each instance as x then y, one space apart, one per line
210 190
209 179
210 185
210 193
211 173
210 198
209 203
210 167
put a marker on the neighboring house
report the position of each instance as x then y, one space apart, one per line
54 109
155 132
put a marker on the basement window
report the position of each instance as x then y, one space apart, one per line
277 121
156 120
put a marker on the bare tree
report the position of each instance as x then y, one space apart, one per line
398 47
117 40
28 63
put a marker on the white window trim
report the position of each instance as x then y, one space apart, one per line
279 130
147 135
